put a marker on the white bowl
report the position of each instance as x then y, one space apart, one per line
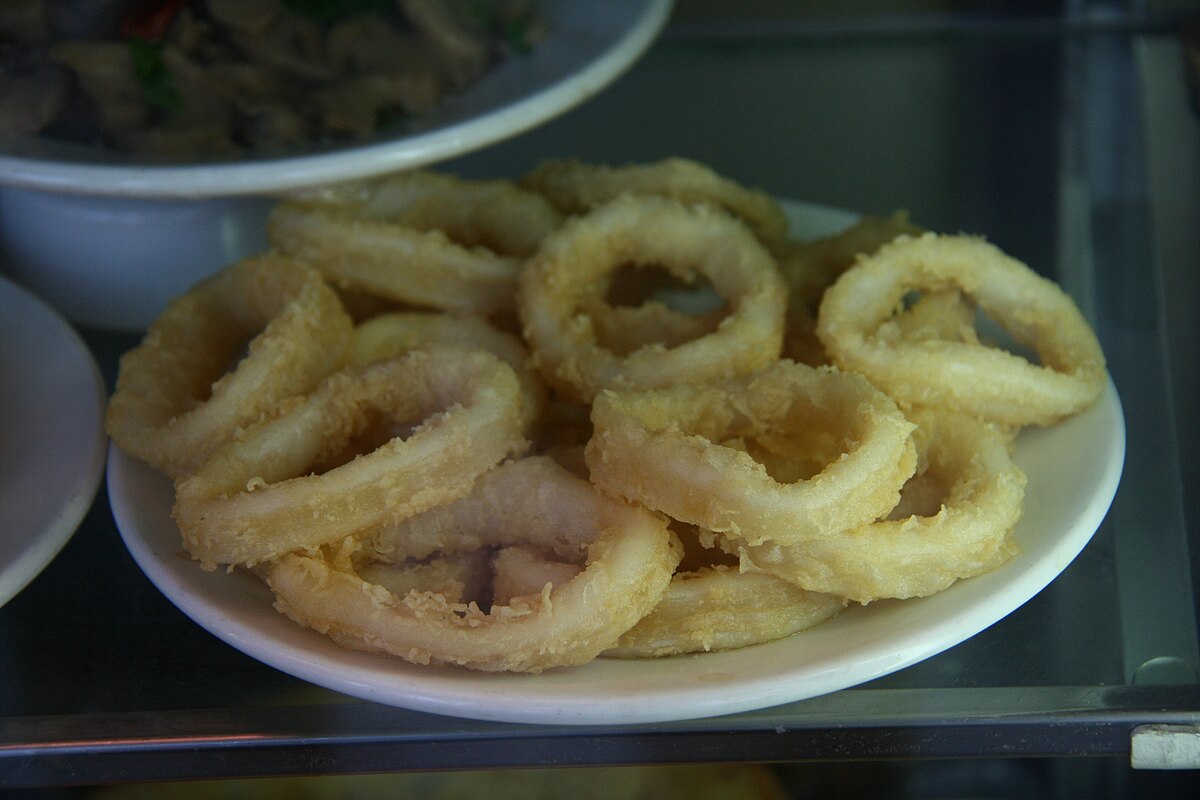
114 262
107 239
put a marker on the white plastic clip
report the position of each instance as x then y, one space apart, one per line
1165 747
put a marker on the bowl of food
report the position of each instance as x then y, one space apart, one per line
141 141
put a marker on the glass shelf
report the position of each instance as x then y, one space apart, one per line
1044 138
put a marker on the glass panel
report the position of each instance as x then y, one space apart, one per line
1028 134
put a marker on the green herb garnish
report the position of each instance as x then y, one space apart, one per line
158 85
517 33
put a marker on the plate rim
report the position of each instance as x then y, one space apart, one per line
87 468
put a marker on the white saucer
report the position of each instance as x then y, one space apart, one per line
51 435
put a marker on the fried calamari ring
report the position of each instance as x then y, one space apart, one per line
945 315
505 508
968 533
639 306
185 389
299 481
811 267
388 335
458 577
557 283
425 268
963 376
496 214
663 448
721 608
518 571
627 554
422 239
627 329
713 607
575 187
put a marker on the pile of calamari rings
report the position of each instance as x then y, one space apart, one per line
596 412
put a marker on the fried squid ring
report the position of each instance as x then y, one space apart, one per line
297 481
388 335
575 187
637 307
945 315
496 214
427 240
557 283
458 577
627 556
964 376
663 448
186 388
561 520
722 608
712 607
627 329
968 533
519 570
811 267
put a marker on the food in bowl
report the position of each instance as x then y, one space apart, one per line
181 80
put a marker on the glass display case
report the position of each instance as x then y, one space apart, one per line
1068 135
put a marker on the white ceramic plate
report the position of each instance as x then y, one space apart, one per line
51 435
589 44
1073 471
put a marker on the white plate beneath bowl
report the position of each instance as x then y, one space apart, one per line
1073 470
51 435
588 45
